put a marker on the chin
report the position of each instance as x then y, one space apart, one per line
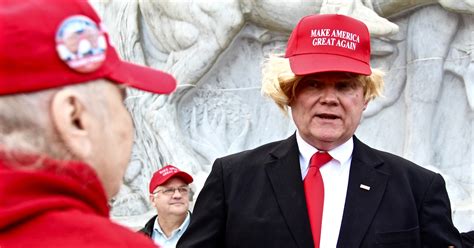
180 211
326 138
112 192
180 207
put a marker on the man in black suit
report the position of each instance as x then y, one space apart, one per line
283 194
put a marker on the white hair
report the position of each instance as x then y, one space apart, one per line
26 124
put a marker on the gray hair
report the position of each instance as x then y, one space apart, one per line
26 124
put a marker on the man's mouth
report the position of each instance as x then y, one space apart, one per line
327 116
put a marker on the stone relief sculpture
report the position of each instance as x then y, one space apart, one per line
427 80
215 50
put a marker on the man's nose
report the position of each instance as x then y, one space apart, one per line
177 194
329 95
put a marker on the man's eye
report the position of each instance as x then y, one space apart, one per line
313 83
345 86
183 190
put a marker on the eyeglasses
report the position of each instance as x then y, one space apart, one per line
170 191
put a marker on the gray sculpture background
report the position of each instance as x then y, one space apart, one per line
216 50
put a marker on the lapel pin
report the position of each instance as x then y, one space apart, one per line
363 186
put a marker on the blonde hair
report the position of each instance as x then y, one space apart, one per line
280 83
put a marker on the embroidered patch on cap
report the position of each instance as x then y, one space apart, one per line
81 44
334 37
168 170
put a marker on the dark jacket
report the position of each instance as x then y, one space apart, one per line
468 239
148 229
256 199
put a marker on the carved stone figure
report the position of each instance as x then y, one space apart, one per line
215 50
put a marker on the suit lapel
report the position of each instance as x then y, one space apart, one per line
367 169
284 173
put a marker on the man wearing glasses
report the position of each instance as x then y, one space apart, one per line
169 194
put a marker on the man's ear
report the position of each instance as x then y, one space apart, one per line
366 102
71 120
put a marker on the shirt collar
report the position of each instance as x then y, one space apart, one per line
183 226
341 153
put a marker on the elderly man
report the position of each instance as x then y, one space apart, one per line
65 134
322 187
169 194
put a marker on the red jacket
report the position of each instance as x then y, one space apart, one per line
62 205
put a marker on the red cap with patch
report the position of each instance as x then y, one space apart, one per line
52 43
329 42
164 174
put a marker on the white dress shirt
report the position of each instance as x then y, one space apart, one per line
335 178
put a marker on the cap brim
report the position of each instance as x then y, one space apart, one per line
181 174
143 78
184 176
305 64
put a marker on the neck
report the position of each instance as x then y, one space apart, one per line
170 223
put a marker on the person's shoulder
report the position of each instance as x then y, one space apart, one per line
398 164
257 153
405 173
124 236
243 166
403 165
101 229
77 228
250 161
148 228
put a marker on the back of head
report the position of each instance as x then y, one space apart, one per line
27 126
50 45
62 86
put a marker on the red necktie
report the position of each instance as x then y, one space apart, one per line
314 192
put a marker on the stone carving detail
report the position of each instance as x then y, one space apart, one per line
216 49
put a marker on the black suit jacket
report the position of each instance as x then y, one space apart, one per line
468 239
256 199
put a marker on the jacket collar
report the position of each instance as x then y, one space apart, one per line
367 169
367 182
283 171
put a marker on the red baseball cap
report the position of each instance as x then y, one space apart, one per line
162 175
329 42
53 43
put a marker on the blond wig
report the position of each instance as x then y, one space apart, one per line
280 83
